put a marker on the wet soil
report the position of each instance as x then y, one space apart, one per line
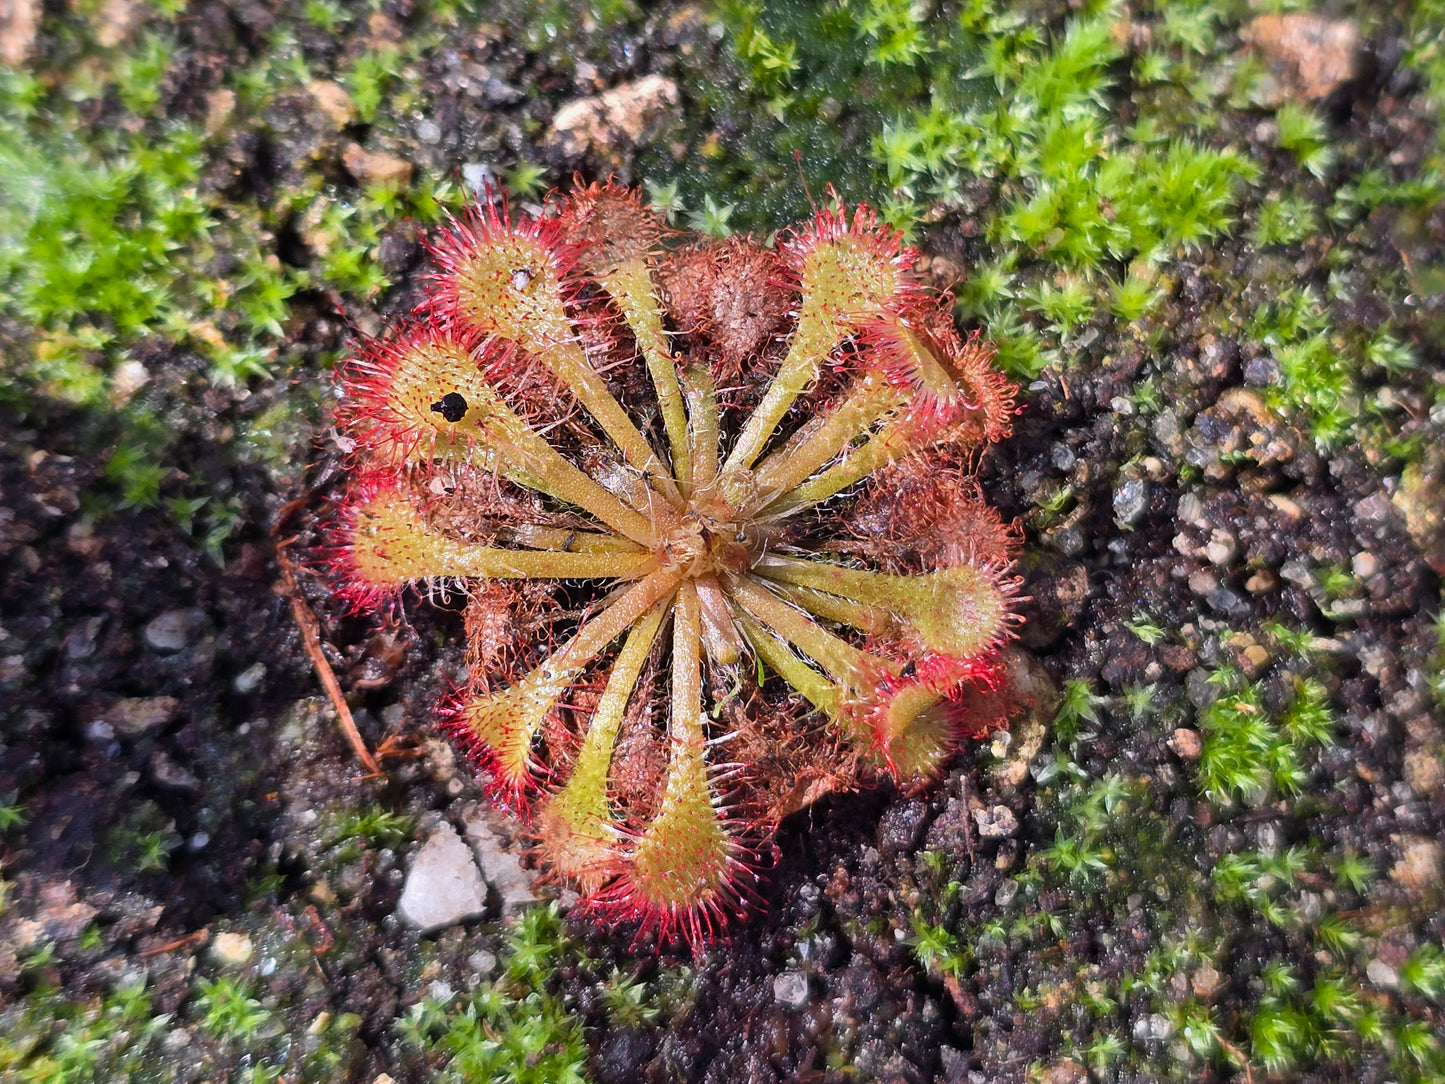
165 734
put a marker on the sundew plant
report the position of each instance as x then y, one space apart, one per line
713 511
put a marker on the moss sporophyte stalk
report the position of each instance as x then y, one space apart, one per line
712 506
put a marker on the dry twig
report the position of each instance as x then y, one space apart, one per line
311 639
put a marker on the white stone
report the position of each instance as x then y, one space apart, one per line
1382 975
628 114
173 630
232 949
996 822
249 680
443 886
501 868
790 989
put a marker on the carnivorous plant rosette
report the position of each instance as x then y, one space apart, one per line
713 509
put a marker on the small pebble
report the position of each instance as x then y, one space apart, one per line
12 668
1201 691
617 120
129 377
1130 500
1261 371
501 868
1268 838
1191 510
790 989
249 680
479 177
80 641
1424 770
137 715
1382 975
1223 600
232 949
1419 867
168 773
1222 548
1067 540
1205 981
1186 743
996 822
1261 582
1364 565
1166 432
173 630
1306 55
334 101
483 963
376 167
1154 1026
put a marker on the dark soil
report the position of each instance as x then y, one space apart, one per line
180 774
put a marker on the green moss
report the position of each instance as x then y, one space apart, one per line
123 249
369 77
513 1029
144 841
228 1009
937 949
1424 973
12 815
377 827
1027 107
114 1036
1074 194
629 1002
1112 857
87 259
712 218
1302 133
1077 707
1249 756
1284 219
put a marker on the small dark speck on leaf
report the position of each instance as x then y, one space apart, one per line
452 406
